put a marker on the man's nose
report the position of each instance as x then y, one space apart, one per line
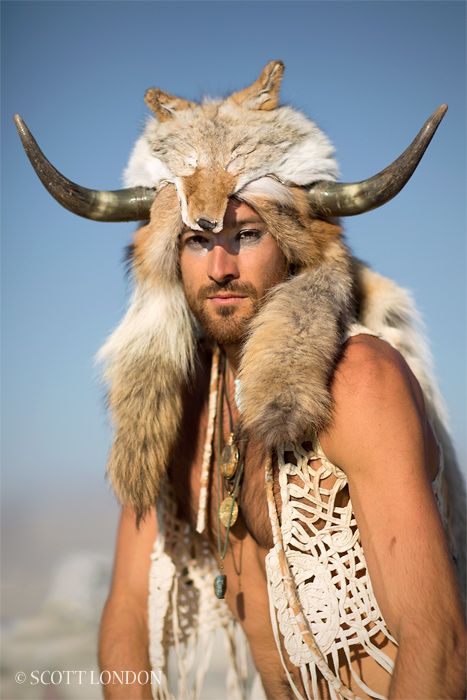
222 265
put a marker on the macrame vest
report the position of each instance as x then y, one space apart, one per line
320 593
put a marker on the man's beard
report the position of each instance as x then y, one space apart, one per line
226 324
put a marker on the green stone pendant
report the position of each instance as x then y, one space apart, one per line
220 584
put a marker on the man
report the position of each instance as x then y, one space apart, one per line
257 351
381 439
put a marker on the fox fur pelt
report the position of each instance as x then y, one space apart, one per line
295 339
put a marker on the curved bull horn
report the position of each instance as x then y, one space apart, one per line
349 198
130 204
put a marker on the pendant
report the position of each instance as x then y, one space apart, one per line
228 511
230 458
220 585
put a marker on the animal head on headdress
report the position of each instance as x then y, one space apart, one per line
187 163
214 149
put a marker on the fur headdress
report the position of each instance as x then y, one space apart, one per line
196 156
190 159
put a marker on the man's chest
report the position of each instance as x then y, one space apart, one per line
197 439
252 519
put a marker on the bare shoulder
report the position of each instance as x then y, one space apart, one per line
378 406
369 366
373 375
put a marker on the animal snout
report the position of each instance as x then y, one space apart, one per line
206 224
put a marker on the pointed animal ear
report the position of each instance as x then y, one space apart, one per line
164 105
264 93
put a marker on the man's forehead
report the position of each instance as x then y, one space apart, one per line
239 211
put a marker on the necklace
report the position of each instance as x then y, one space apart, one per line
230 469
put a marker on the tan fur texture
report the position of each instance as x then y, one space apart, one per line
149 359
207 193
295 339
264 93
290 355
155 253
164 105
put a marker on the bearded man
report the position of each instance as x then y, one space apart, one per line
280 450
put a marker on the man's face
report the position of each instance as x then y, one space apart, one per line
226 275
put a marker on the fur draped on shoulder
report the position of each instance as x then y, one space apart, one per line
295 340
148 360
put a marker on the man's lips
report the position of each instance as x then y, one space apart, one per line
226 298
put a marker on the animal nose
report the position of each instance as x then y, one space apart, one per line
206 224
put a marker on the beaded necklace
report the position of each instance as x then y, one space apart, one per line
229 468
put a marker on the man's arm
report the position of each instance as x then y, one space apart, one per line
380 437
123 640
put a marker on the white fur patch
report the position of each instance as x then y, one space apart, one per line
267 187
310 159
158 315
183 203
406 334
144 168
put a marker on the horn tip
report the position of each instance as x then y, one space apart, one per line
441 111
20 125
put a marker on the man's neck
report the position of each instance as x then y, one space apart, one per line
233 354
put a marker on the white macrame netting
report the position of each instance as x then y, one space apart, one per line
319 541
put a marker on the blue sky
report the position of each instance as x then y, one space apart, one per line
369 73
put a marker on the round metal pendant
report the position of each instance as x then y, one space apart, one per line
229 459
228 506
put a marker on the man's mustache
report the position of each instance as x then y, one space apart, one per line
243 288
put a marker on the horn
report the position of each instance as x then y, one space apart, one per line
130 204
349 198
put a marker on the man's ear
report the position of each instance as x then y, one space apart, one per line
165 106
264 93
